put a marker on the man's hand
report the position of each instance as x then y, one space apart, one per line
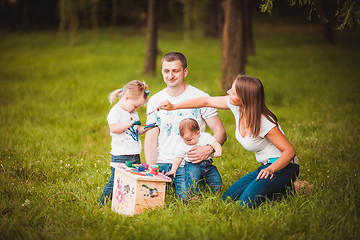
199 153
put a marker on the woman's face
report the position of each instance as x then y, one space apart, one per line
234 99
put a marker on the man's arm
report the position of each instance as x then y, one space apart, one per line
218 129
200 153
150 146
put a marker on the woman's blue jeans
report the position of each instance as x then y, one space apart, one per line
179 180
108 190
197 175
252 193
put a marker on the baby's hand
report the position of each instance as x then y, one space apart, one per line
217 154
172 172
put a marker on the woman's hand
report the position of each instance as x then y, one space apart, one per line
265 173
166 105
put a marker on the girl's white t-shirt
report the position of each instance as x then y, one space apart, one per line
260 145
127 142
168 121
182 148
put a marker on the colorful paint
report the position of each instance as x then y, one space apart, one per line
123 191
119 194
133 132
153 192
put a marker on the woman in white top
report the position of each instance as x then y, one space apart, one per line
257 130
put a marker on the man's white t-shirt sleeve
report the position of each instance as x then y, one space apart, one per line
207 112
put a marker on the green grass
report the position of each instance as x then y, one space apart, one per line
54 135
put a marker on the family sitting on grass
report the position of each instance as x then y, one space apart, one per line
183 150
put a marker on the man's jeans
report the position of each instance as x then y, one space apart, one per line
197 175
108 190
179 180
251 193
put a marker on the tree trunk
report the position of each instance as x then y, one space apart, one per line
25 13
324 18
74 21
233 50
212 27
187 19
151 39
115 12
250 46
94 15
63 12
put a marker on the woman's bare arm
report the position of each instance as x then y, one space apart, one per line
214 102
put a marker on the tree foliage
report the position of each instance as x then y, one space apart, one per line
347 12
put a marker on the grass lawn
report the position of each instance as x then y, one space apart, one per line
55 143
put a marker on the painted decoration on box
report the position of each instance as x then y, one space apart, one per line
123 191
152 192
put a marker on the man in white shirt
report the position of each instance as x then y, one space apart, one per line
160 143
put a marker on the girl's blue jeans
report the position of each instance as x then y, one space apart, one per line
251 193
108 190
197 175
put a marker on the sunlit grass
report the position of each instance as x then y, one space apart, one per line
54 135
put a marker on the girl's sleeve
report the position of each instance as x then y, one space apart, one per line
113 117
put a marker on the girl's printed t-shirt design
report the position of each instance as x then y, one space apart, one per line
127 142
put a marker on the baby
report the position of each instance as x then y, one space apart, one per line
203 172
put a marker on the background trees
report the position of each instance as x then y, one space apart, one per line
151 39
228 20
233 44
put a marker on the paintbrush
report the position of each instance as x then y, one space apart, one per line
153 111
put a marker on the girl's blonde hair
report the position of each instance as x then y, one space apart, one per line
135 89
251 93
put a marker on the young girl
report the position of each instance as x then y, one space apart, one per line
125 127
257 130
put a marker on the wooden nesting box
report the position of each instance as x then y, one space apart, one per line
135 191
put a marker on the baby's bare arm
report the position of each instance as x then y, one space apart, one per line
218 149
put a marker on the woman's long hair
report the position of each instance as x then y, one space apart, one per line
251 93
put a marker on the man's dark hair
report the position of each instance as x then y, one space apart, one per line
173 56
